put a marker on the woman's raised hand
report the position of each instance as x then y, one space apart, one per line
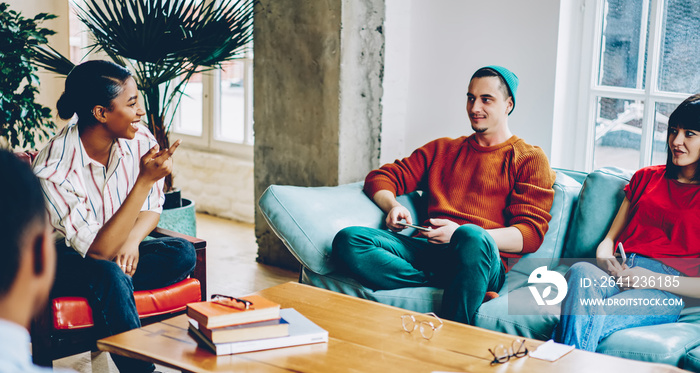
155 164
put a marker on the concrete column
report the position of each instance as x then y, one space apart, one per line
318 87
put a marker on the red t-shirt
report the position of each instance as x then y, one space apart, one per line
664 220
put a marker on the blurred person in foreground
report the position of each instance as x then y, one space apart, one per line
28 262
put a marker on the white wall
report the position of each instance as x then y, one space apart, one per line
575 51
444 42
397 62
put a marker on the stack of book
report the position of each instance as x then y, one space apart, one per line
230 330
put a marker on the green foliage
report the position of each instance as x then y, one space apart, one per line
21 118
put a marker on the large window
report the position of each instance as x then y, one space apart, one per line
645 63
216 112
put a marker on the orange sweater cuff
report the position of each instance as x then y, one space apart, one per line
372 187
531 240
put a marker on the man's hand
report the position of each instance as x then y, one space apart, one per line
442 231
395 215
155 164
128 258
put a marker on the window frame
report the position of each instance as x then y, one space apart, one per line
590 89
211 116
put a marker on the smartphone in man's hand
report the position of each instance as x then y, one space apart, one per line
425 229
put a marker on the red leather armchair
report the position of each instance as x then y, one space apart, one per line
66 327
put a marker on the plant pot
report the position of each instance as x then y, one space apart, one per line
180 219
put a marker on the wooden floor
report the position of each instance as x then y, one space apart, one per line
231 269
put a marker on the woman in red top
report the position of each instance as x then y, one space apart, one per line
657 219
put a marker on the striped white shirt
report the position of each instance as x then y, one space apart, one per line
81 194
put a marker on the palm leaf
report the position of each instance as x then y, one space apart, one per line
50 59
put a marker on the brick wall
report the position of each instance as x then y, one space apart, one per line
219 184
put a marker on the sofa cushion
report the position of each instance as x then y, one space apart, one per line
600 198
691 361
307 219
665 343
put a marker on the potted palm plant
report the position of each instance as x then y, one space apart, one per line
23 121
164 43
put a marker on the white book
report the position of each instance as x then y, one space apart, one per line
301 332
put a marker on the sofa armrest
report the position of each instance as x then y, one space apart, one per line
200 247
162 232
599 201
307 219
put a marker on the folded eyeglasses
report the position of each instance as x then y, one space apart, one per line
501 354
233 302
427 328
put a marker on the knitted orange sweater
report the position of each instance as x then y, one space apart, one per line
509 184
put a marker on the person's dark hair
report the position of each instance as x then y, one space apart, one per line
21 206
687 117
90 84
486 72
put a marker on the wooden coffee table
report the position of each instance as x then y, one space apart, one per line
364 336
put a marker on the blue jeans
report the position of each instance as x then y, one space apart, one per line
586 325
467 267
110 292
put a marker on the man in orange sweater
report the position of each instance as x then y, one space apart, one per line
488 198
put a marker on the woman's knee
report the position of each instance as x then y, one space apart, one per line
185 253
180 251
186 249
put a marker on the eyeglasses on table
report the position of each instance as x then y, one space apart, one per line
501 353
229 301
427 327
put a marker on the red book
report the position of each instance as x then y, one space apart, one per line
215 315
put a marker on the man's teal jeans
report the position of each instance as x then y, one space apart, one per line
467 267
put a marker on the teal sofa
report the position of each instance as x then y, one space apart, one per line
307 218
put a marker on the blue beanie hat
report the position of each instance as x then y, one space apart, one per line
510 79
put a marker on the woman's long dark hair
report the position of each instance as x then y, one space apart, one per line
90 84
687 117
